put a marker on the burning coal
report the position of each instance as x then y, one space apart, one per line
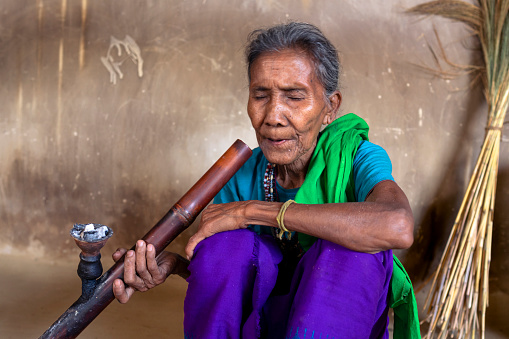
91 232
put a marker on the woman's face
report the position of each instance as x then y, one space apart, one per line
287 106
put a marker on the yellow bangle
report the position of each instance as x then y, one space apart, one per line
280 218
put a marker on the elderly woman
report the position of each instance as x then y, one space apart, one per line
298 243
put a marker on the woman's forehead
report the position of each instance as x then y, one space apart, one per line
287 66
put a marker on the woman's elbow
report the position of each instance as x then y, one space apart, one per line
403 229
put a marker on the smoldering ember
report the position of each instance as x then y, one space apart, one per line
90 232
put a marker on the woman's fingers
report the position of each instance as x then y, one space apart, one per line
122 293
153 266
129 267
141 261
193 242
130 276
118 254
210 220
142 270
217 218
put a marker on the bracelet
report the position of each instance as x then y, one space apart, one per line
280 219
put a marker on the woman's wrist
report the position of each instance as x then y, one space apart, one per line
262 213
179 266
182 267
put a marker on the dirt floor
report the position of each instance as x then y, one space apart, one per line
34 293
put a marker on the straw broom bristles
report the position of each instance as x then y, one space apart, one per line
457 301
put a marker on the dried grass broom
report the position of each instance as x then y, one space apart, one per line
457 301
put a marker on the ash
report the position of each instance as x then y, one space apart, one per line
90 232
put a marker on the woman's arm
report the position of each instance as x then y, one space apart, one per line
383 221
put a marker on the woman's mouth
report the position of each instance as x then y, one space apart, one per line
277 141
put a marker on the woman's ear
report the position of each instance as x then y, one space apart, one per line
327 119
335 102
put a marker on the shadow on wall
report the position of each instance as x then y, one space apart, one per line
496 316
423 258
499 272
433 230
77 149
52 200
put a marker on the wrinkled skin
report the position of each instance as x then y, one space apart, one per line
143 271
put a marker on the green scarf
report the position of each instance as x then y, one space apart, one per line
330 180
330 177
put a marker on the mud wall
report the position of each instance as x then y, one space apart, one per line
111 110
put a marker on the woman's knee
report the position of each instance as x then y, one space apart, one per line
223 254
350 287
346 271
358 263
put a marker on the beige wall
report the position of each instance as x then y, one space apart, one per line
75 148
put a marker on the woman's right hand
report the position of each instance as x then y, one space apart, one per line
217 218
143 271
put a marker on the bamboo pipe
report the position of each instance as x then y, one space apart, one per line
80 314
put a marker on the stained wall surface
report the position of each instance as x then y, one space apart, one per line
91 133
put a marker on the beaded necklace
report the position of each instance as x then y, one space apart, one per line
289 243
269 185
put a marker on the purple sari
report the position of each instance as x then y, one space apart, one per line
334 292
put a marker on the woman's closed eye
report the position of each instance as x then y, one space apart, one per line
259 95
295 98
295 94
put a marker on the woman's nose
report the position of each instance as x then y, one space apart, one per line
275 112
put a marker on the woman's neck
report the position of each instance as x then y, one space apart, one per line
292 175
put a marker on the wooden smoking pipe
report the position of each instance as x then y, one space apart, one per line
80 314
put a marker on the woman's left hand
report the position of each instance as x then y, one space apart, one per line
219 218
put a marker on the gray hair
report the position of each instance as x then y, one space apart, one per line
299 36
